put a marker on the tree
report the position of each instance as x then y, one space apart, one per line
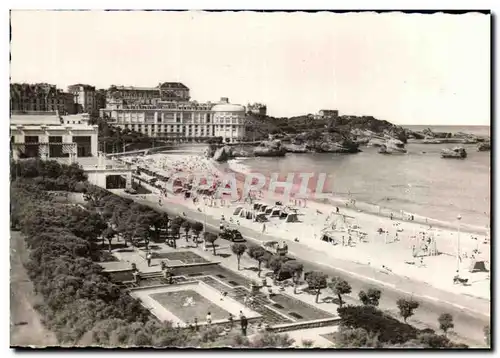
238 249
109 234
186 225
370 297
340 287
197 228
174 234
211 238
445 322
307 343
370 318
259 254
316 281
295 268
274 340
407 307
275 264
94 195
355 338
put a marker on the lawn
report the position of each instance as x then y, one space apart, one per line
183 256
175 302
298 309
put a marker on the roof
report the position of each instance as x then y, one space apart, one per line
132 88
226 107
35 127
33 122
16 119
173 85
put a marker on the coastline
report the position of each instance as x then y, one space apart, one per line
387 257
370 208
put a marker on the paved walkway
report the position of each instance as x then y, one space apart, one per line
470 314
26 328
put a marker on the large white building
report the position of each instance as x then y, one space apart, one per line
53 136
187 121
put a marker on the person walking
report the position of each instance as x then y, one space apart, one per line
244 325
231 321
209 318
148 258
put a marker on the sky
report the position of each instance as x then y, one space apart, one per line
404 68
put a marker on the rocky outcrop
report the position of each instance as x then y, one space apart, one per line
295 148
328 146
272 148
223 154
376 142
392 146
455 153
210 151
484 147
428 133
430 137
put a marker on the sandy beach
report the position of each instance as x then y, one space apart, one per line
402 249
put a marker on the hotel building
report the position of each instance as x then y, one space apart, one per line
165 112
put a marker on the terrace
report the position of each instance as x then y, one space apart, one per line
217 290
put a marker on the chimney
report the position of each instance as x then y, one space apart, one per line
224 100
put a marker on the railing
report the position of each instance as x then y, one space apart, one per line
285 327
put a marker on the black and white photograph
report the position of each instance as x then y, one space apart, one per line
250 179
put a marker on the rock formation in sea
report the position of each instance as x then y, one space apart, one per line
484 147
223 154
272 148
455 153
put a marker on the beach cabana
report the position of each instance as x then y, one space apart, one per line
292 218
260 217
477 266
328 236
238 210
275 212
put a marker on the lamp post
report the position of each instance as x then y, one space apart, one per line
459 217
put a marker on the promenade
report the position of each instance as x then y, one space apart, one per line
470 313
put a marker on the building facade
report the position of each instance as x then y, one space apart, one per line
40 97
167 91
52 136
84 97
190 121
257 108
328 113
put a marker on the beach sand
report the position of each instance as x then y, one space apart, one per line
379 251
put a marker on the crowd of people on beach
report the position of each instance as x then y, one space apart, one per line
193 167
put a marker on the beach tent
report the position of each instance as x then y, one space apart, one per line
260 217
247 214
238 210
477 266
292 218
275 212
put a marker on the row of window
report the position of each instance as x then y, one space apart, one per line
154 127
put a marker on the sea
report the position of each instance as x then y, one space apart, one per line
419 182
